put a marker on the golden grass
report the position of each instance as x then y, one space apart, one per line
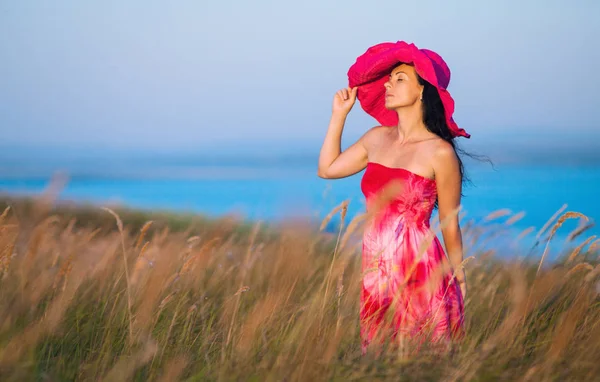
86 298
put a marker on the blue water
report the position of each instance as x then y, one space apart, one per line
276 191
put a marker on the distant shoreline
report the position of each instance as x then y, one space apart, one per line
24 164
511 148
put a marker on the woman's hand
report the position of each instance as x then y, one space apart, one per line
463 289
344 100
460 278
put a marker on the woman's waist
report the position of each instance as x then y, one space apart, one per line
405 216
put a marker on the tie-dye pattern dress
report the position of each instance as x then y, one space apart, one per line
406 289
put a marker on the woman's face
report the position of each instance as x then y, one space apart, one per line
402 88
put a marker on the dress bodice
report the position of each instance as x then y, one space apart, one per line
413 199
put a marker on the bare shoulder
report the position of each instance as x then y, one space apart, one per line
374 135
443 151
376 131
444 157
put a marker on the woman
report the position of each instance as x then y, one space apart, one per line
410 286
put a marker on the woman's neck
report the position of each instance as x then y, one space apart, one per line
410 123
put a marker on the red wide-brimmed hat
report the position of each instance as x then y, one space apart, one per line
372 69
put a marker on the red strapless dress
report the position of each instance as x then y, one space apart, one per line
406 288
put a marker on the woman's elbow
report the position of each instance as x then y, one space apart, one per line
321 173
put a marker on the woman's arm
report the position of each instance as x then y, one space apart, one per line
449 187
333 163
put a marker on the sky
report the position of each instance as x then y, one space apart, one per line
207 75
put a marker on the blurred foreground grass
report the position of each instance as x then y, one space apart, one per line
91 294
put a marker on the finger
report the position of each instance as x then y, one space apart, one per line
353 92
346 95
340 94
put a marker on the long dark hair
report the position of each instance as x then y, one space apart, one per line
434 118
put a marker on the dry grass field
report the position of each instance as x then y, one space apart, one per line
92 294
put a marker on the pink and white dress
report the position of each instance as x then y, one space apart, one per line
406 287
